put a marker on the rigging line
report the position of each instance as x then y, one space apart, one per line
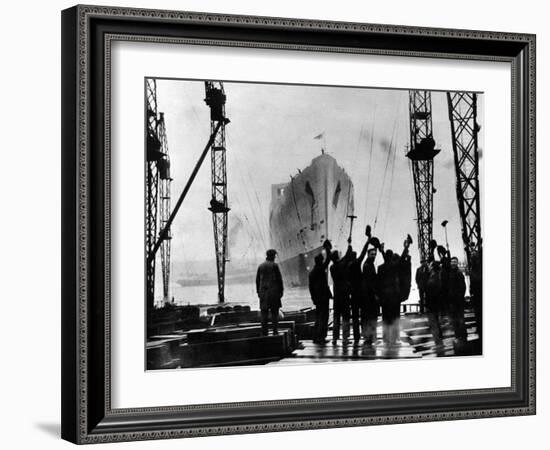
250 229
251 207
252 210
371 145
254 216
255 191
388 207
385 174
353 171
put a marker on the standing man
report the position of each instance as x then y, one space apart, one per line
358 301
456 289
421 279
370 297
391 292
342 291
320 293
269 286
476 292
434 300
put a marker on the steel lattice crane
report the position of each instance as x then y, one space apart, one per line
464 130
165 207
422 152
158 185
215 99
153 151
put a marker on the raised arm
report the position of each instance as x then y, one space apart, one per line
406 244
365 247
364 250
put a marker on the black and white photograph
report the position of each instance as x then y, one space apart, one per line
298 224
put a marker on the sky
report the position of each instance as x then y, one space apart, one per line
271 136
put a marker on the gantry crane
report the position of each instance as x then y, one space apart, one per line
158 185
464 131
215 99
421 153
165 208
153 152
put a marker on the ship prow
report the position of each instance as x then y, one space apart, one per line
312 207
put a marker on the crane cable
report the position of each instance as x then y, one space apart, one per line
385 175
256 227
388 205
353 169
371 145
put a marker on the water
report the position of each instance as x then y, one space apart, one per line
242 293
294 298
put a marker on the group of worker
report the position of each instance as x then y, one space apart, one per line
442 288
361 290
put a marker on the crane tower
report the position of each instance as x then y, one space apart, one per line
215 99
464 130
163 167
422 152
158 187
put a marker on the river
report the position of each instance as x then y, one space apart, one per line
245 293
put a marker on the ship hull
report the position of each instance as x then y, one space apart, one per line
312 207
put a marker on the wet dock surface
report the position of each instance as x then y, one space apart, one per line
416 342
234 339
315 353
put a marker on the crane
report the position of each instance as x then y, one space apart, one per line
421 153
158 187
163 167
215 99
464 131
151 201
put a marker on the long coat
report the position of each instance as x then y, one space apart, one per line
389 287
456 287
369 288
341 282
318 286
269 285
405 277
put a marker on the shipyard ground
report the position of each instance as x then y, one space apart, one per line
231 338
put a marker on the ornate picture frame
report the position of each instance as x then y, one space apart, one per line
87 35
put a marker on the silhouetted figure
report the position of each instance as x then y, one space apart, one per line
476 292
421 279
320 294
269 286
456 289
434 300
358 300
371 306
391 290
342 292
405 276
445 266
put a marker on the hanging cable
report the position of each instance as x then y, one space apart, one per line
388 206
351 175
371 145
385 175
